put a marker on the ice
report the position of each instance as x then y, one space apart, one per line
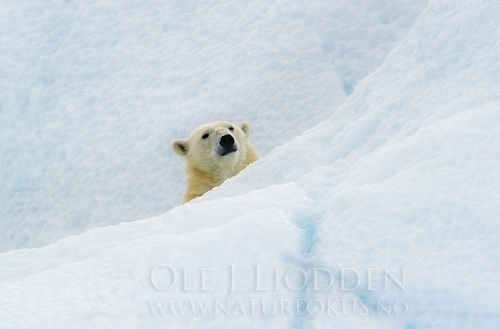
92 94
384 180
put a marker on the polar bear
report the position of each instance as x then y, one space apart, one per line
214 152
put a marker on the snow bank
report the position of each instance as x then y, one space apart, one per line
384 215
92 94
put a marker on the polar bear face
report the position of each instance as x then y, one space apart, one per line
214 152
214 146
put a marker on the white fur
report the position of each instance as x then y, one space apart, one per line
206 167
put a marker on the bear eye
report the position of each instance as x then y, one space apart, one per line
231 128
204 136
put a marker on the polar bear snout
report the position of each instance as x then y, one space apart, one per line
226 141
227 145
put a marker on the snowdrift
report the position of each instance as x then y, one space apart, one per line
383 215
92 94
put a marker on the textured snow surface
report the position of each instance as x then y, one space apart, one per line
93 92
376 204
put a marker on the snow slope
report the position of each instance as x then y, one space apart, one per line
93 92
384 215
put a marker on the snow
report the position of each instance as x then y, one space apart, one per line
94 92
379 129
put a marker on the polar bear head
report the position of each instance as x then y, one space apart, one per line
215 146
214 152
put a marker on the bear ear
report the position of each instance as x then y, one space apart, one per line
245 127
181 147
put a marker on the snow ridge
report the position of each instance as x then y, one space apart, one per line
383 215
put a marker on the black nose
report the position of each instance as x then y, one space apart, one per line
226 141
